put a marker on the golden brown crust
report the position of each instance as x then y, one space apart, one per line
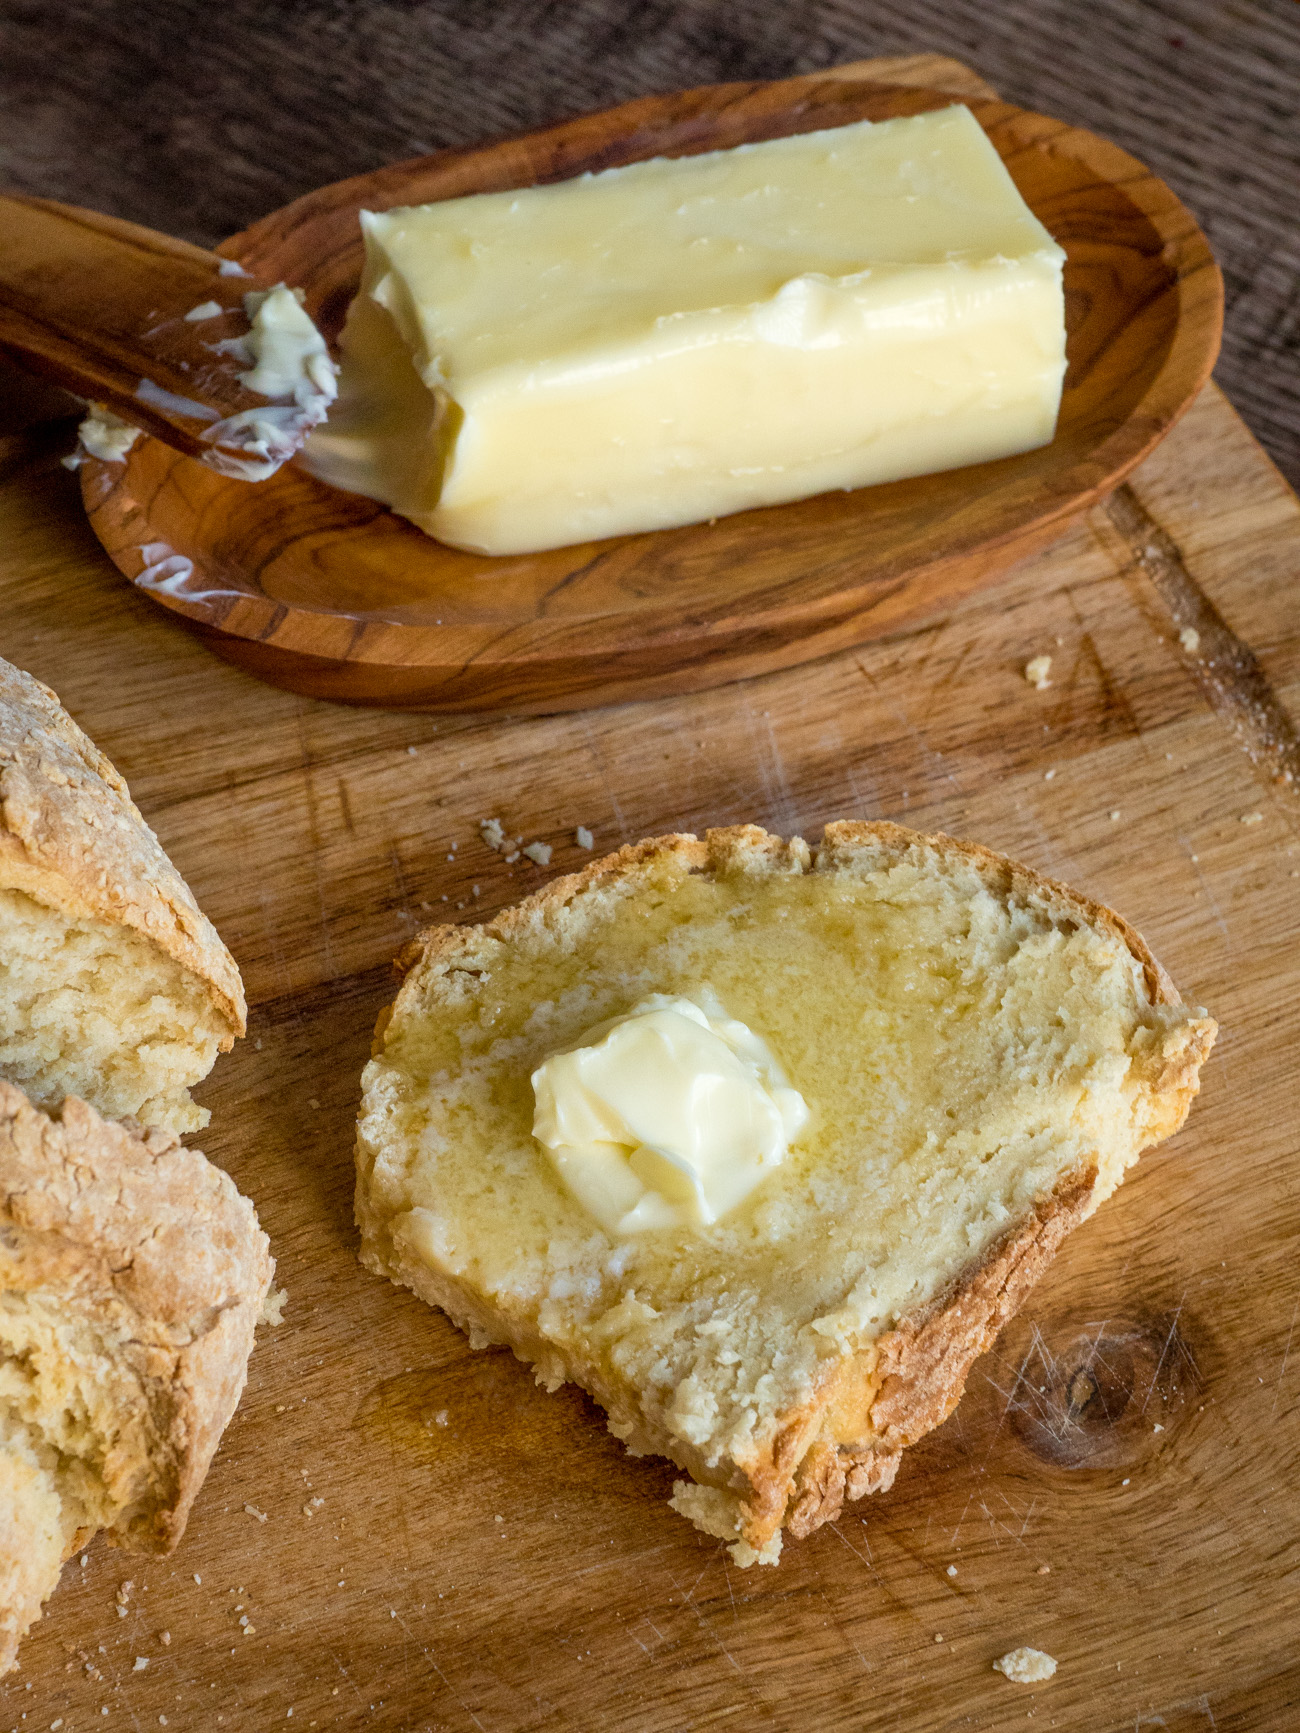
71 838
150 1252
908 1381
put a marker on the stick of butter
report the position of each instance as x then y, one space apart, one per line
675 340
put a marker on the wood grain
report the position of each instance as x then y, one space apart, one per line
97 306
318 838
335 596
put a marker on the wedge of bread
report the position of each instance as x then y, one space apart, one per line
113 984
132 1274
983 1054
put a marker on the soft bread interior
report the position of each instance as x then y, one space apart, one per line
132 1275
76 1449
92 1009
966 1048
36 1537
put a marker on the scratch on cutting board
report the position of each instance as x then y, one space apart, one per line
455 1693
865 1557
937 761
708 1630
1164 1352
403 889
1219 921
778 797
841 1632
304 1613
1010 1400
433 1665
960 1520
1295 1311
646 1619
606 786
1154 1718
313 821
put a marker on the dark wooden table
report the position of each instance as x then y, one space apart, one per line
515 1570
197 117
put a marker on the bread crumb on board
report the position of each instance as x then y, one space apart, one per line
494 836
273 1306
583 837
1037 670
1025 1666
1190 639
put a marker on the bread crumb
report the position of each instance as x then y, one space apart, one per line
273 1310
1252 818
511 858
124 1592
1044 1571
1157 1428
1190 639
141 1662
1037 670
198 1579
252 1510
583 837
952 1570
1114 815
938 1637
539 852
1049 775
492 832
85 1560
440 1418
410 752
1025 1666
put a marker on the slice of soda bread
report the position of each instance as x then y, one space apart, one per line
983 1054
132 1274
114 985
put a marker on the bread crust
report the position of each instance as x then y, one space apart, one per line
72 838
909 1380
152 1248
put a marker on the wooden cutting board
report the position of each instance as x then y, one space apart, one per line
1118 1486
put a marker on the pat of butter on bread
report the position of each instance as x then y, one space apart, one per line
983 1054
675 340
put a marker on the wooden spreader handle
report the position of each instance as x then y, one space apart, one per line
99 306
